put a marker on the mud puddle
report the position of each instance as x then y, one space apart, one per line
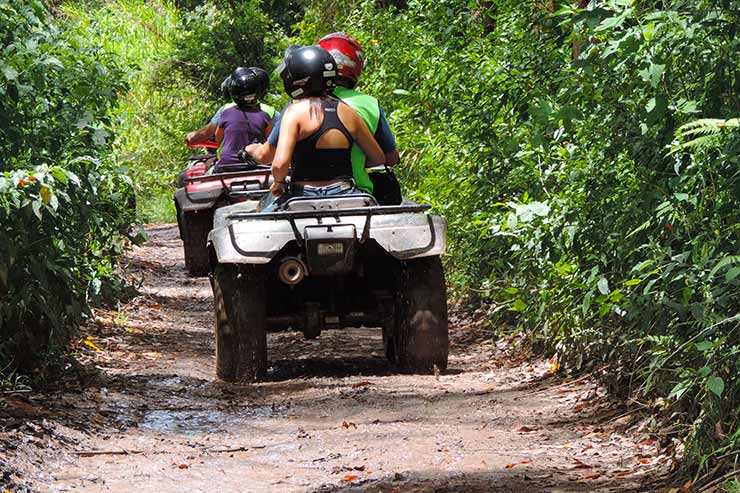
332 416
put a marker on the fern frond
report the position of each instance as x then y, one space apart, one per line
703 134
728 260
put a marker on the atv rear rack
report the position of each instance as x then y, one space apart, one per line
369 211
239 178
375 210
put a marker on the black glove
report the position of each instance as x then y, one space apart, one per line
246 157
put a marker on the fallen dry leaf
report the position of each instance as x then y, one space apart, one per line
364 383
593 475
511 466
621 474
582 405
348 424
349 478
89 343
578 464
525 428
183 466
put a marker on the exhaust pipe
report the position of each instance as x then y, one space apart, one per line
292 270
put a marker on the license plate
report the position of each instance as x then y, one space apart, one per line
330 248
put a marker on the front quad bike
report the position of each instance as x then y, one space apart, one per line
199 194
328 263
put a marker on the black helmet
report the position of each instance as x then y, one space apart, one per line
264 79
226 87
307 71
244 87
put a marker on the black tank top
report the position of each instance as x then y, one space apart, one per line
312 164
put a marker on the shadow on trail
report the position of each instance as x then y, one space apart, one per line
522 478
289 369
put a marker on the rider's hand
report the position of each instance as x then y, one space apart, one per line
252 148
189 137
277 188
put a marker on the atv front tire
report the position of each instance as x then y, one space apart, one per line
419 341
241 322
195 228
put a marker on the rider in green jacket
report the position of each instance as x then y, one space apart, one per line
349 58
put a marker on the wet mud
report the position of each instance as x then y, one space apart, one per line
332 416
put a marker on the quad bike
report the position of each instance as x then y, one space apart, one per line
199 194
328 263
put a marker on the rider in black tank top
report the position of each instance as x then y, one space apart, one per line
314 164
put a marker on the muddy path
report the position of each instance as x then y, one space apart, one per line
331 416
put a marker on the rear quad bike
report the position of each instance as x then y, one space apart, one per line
328 263
198 194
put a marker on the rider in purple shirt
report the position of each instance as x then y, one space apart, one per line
242 124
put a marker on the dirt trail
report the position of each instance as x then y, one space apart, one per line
332 415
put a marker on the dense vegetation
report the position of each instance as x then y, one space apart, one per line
580 209
586 155
65 206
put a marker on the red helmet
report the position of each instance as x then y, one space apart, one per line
347 53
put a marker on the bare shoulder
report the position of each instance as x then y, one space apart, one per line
298 106
347 115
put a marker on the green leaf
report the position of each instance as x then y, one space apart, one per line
703 346
732 274
680 389
603 285
613 22
682 197
36 207
586 303
715 385
519 305
652 74
632 282
10 73
730 259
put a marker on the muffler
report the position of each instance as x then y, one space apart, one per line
292 270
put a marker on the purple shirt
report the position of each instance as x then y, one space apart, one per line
241 127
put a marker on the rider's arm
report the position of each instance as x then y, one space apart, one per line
219 133
262 153
281 163
374 154
387 140
204 133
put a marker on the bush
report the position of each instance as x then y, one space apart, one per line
544 136
65 209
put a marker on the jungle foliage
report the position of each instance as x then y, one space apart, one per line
65 205
588 207
585 153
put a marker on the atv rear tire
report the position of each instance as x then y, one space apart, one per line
195 229
241 322
419 341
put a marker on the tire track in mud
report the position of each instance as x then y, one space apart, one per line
331 416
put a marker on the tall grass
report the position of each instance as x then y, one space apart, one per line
161 106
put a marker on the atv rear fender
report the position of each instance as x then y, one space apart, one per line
406 231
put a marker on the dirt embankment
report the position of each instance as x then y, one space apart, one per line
332 415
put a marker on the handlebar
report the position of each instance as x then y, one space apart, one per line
208 144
